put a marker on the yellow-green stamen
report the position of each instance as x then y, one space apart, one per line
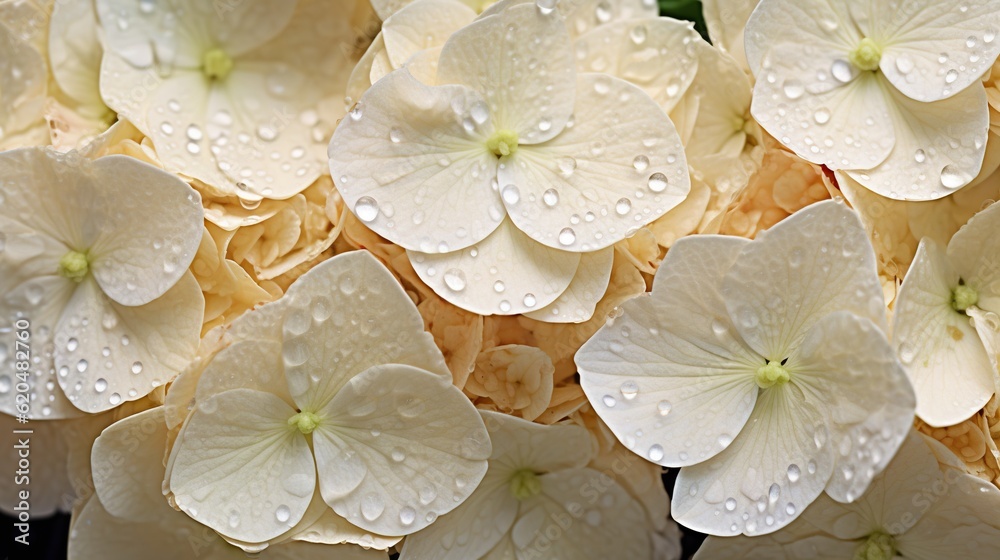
525 484
866 56
306 422
74 265
879 546
502 143
771 374
216 64
963 297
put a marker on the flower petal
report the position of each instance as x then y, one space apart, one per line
480 523
943 356
726 20
658 375
605 523
619 167
809 102
934 50
75 53
776 546
422 25
345 316
506 273
653 54
817 261
107 353
226 462
827 25
130 269
939 146
577 303
519 444
396 445
431 189
766 478
959 524
534 100
127 466
846 363
974 251
246 364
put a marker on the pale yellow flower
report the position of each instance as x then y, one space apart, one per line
515 379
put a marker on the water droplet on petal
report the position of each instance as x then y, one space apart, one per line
366 209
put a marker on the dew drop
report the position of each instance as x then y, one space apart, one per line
655 453
609 401
640 163
567 237
629 390
455 279
663 407
372 507
101 385
529 300
623 206
793 89
730 504
511 194
282 514
550 197
366 209
952 178
657 182
137 367
407 515
793 473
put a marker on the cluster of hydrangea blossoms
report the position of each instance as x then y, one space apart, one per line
329 412
786 334
241 96
94 255
518 176
888 92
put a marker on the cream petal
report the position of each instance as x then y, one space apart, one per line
974 251
619 167
127 466
422 25
507 273
578 302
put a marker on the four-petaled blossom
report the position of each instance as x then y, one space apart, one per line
761 368
947 361
240 95
332 394
127 511
509 180
915 509
889 92
538 495
94 257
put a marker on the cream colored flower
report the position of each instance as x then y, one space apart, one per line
889 93
542 174
240 95
23 85
538 499
764 332
128 512
94 255
947 361
331 397
915 509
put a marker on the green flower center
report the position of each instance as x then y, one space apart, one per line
879 546
306 422
525 484
963 297
216 64
866 56
502 143
771 374
74 265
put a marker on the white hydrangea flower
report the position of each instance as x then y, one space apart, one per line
334 392
240 95
761 368
915 509
889 92
94 255
510 180
582 15
23 85
946 359
128 511
538 500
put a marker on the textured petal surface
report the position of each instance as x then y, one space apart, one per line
659 373
521 61
653 54
107 354
577 303
935 51
846 366
396 445
507 273
939 146
619 167
408 167
815 262
766 478
248 364
974 251
331 335
957 525
228 463
127 466
827 25
942 353
422 25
